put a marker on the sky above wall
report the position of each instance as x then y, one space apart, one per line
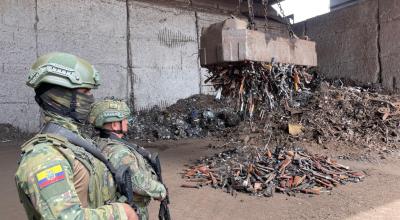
304 9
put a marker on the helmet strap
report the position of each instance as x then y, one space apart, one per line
105 133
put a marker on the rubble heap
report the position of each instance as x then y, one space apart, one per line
258 171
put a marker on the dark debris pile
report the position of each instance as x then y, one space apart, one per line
258 171
196 116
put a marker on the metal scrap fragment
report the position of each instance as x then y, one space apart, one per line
257 171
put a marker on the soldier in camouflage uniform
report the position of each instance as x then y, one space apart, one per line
110 118
56 179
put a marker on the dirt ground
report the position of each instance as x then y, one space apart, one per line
377 197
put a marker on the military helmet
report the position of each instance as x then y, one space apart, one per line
63 69
108 110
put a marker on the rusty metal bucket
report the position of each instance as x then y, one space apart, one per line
231 41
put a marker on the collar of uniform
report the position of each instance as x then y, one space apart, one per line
65 122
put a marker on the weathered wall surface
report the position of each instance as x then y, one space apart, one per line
359 42
389 35
96 31
33 27
347 45
145 52
17 52
164 50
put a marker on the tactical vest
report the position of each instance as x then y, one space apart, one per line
101 185
106 145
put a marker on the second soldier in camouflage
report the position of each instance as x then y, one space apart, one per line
110 118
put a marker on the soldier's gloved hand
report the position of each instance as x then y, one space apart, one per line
161 197
130 213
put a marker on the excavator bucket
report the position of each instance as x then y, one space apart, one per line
231 41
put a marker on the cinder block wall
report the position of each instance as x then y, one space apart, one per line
95 30
164 53
359 43
146 51
18 49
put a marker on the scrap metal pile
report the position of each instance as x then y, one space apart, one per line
292 103
351 115
258 171
259 87
346 121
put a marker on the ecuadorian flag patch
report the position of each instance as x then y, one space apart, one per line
50 175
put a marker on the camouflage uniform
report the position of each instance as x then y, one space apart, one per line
55 157
46 176
144 179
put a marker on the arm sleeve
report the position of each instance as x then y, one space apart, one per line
46 177
142 179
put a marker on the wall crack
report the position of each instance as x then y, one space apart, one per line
378 44
198 50
35 27
130 75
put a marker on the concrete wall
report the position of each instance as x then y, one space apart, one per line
164 54
17 52
389 35
359 43
145 52
29 28
94 30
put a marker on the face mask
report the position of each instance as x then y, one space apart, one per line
66 102
82 107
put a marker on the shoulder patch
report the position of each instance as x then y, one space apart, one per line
50 176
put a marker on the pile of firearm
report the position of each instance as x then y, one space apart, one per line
259 171
259 87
